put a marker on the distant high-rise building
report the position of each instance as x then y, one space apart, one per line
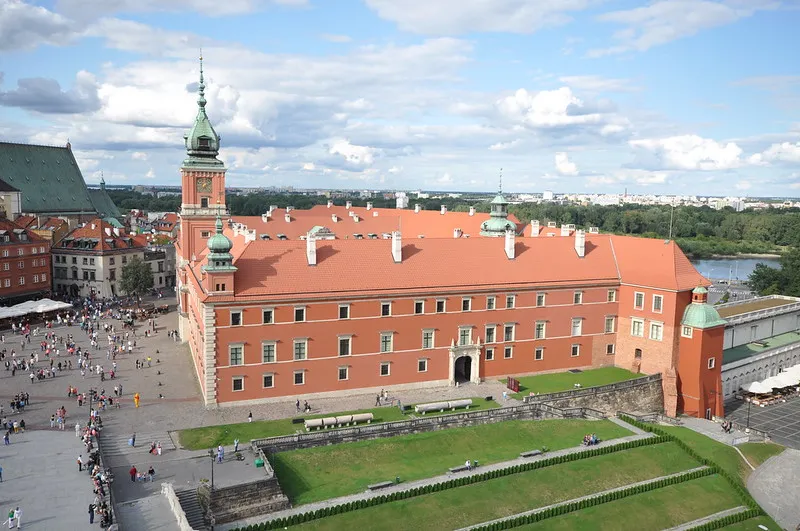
547 195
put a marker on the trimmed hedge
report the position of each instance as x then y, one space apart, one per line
571 507
295 519
728 520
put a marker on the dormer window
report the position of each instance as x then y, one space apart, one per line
204 142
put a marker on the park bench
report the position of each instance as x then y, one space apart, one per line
531 453
441 406
381 485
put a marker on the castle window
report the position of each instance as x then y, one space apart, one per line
610 349
203 202
538 353
637 353
204 142
711 363
686 331
238 383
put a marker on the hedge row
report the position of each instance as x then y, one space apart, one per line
308 516
728 520
570 507
735 484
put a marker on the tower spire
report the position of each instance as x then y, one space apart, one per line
500 189
201 89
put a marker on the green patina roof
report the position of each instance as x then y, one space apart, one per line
497 226
757 347
48 178
701 315
114 222
103 203
202 142
700 290
499 200
219 257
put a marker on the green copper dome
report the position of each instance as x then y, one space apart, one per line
202 142
701 314
498 222
219 246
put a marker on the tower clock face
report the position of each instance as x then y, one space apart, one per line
204 184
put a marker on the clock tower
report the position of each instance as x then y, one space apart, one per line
202 182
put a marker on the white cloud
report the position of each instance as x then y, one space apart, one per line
454 17
668 20
743 185
687 152
352 154
309 166
783 152
564 166
395 169
87 8
629 176
139 155
596 84
501 146
547 108
445 179
25 26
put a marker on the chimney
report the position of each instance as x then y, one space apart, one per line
580 243
311 249
444 210
417 208
510 244
265 216
287 218
551 224
330 203
369 205
107 230
594 230
289 209
471 211
273 208
334 218
375 214
564 230
356 218
116 232
397 247
93 226
534 228
457 233
348 205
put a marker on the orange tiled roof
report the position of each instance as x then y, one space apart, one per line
12 229
655 263
103 236
276 269
53 223
430 223
26 222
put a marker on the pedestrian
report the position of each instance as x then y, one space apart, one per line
133 472
250 417
297 405
235 445
11 514
1 474
378 400
18 517
91 513
132 440
80 463
220 453
136 399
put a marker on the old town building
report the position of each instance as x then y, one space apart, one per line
24 264
336 300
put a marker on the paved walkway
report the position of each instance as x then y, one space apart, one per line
707 519
712 429
427 481
587 497
775 487
40 475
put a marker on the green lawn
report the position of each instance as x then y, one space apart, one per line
325 472
565 381
753 523
658 509
211 436
513 494
722 454
757 453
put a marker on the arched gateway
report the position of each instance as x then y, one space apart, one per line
465 363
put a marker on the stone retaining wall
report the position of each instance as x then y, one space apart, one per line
313 439
169 492
641 394
255 498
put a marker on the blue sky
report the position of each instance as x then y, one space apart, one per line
697 97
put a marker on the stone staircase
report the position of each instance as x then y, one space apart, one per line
116 445
191 507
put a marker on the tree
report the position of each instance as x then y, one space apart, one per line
137 277
784 281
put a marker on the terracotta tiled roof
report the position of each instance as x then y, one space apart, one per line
13 230
27 222
99 235
430 223
275 269
53 223
655 263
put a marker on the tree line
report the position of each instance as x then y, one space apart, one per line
784 280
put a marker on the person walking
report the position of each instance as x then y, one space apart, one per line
80 463
235 445
220 453
1 474
133 473
91 513
136 399
250 417
18 517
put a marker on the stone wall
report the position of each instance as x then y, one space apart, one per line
245 500
313 439
641 394
169 492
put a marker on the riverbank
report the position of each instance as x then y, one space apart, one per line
771 256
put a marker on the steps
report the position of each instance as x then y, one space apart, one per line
191 507
116 445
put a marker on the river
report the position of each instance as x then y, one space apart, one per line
734 268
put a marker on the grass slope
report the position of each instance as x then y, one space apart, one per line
211 436
752 525
513 494
722 454
325 472
757 453
565 381
659 509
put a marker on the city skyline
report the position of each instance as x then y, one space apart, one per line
672 97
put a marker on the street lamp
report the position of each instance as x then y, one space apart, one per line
749 402
211 455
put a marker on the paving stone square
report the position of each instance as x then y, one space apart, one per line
781 421
40 475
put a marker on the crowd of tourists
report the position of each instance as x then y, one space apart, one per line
590 439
